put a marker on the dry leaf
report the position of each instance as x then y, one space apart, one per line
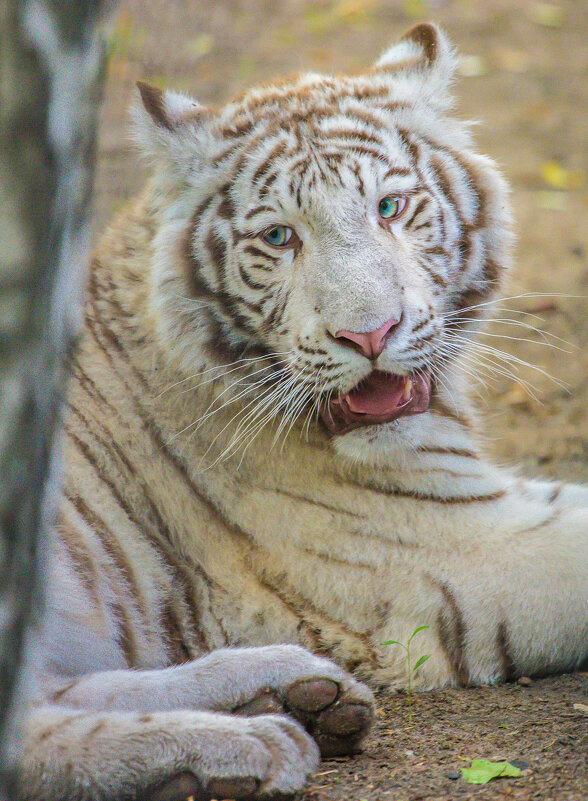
559 178
512 60
581 708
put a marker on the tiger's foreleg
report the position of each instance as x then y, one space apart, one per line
334 707
128 734
164 756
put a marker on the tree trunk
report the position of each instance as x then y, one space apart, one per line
50 80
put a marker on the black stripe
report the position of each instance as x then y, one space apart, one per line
163 546
504 652
452 633
417 210
455 499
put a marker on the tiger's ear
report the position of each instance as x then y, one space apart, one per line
169 126
424 57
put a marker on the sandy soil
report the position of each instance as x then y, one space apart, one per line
524 77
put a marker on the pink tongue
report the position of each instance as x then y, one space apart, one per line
379 394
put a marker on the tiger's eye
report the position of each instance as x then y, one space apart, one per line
278 236
391 207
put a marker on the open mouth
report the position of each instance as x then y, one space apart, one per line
379 398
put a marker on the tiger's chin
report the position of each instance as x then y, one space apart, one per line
379 398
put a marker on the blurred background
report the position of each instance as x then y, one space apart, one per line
523 75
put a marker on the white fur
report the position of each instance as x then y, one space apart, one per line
180 499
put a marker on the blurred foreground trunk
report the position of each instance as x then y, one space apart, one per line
50 75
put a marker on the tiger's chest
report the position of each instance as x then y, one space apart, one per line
293 561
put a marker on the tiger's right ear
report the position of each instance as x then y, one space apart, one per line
169 126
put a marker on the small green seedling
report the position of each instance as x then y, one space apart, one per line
420 661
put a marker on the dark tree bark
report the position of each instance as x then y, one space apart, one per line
50 78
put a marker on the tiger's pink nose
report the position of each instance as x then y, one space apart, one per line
369 343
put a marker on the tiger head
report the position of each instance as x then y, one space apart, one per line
333 237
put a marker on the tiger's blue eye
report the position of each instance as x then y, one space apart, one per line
278 236
391 207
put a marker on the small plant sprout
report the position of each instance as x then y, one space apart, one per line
420 661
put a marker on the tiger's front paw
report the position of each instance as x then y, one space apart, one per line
337 714
266 758
332 706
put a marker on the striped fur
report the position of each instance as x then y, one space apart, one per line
205 504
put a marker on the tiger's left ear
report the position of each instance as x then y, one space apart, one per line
424 57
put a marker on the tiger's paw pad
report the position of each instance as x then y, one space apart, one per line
181 786
239 788
266 703
336 709
337 714
312 695
186 786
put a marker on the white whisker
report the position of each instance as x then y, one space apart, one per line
511 297
495 360
256 406
228 368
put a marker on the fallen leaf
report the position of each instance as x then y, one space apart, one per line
512 60
559 178
547 14
581 708
482 771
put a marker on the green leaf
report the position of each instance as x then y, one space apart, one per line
393 642
416 631
421 661
547 14
483 771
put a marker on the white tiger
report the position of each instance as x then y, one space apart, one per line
270 447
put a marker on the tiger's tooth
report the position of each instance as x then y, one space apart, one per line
407 389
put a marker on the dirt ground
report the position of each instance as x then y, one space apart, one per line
524 76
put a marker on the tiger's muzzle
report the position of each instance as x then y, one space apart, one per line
379 398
